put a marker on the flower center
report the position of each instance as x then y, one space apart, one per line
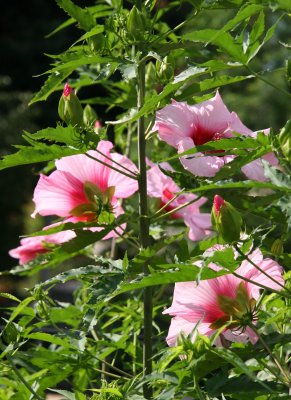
98 205
240 310
201 136
168 195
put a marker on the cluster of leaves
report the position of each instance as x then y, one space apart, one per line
93 346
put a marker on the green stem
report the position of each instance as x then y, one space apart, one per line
257 267
20 377
198 391
144 230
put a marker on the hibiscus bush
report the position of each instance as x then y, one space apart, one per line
165 217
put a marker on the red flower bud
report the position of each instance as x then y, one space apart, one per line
226 220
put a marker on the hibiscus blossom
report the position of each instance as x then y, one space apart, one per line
212 303
31 247
82 188
163 187
184 127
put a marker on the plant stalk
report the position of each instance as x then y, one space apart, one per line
144 229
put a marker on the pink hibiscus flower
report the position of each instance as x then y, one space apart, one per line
164 188
184 127
81 187
31 247
214 302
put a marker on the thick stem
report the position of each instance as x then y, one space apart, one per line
144 229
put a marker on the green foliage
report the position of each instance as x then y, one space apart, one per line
95 340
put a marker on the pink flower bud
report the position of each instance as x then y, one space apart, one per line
97 124
218 203
226 220
67 90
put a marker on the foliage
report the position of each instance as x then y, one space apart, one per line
129 60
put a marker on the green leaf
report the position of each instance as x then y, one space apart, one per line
9 296
83 16
61 134
80 61
172 273
39 153
221 39
237 362
46 337
114 391
94 31
51 84
68 395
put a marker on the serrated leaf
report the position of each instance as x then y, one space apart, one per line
81 15
80 61
51 84
61 134
34 154
172 273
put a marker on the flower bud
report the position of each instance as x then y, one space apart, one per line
226 220
136 25
285 140
97 126
70 109
165 70
277 248
89 115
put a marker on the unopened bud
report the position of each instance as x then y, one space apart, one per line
165 70
277 248
136 25
285 140
70 109
89 115
226 220
97 126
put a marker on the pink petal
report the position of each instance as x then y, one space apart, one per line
255 171
200 226
31 247
124 186
57 194
174 122
197 163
